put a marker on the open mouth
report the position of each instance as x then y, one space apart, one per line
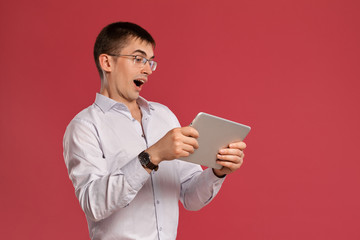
139 82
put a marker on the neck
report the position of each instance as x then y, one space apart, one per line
119 98
131 105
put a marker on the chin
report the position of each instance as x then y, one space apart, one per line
135 97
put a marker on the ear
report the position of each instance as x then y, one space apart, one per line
105 62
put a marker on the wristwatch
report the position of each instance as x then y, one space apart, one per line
145 161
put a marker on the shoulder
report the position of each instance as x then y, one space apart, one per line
88 117
161 109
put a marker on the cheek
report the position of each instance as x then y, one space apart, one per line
128 73
123 77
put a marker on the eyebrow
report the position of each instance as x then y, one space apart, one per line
142 52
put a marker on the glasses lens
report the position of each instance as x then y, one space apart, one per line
153 65
139 60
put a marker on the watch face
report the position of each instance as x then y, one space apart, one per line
144 158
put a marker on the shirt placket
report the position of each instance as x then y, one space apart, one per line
142 129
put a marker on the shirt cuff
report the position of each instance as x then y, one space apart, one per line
217 175
213 180
135 174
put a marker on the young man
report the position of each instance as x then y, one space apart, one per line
121 152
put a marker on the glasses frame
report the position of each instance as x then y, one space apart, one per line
152 63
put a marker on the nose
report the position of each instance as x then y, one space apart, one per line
146 69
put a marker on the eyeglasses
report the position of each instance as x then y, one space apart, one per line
139 60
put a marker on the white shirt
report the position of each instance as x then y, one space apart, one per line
121 200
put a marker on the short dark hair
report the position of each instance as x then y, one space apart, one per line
115 36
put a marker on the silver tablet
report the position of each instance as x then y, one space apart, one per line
214 133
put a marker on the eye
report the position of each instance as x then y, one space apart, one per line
139 59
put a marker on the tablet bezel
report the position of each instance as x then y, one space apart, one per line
214 133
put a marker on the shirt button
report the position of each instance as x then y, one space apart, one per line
142 135
158 202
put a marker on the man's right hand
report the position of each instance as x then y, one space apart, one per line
178 142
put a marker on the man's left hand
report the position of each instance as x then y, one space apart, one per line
230 158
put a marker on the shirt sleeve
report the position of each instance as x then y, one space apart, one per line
198 187
100 189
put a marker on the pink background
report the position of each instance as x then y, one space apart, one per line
289 69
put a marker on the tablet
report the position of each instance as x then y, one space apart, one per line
214 133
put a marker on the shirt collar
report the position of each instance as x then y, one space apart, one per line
105 103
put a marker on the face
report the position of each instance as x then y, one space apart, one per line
126 79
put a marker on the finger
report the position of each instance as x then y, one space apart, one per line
188 148
230 165
231 151
182 150
190 132
230 158
185 150
191 141
239 145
